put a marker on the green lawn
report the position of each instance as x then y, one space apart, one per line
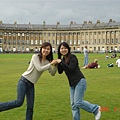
52 93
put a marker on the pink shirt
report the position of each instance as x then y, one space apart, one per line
93 65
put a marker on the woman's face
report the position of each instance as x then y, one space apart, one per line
46 51
63 50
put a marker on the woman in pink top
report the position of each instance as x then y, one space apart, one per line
92 65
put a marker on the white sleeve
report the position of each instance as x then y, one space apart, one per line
36 62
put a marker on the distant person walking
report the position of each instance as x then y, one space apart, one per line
85 55
39 63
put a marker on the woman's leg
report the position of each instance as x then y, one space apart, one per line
78 98
77 102
30 101
84 67
75 111
85 60
21 91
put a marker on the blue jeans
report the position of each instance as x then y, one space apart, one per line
77 102
24 88
85 60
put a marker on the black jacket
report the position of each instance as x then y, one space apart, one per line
71 69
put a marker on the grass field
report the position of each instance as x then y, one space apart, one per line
52 93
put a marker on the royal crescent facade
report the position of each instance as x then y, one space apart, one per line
97 36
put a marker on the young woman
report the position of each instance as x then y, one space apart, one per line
77 82
38 64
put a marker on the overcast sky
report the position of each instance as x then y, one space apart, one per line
63 11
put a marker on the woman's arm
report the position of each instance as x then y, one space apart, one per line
53 69
73 62
37 64
62 66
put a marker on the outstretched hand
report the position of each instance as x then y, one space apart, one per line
55 62
58 60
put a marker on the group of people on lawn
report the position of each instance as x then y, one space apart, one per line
66 62
94 64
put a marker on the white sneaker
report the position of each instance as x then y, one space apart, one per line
97 117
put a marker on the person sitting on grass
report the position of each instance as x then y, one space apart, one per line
106 57
91 65
114 55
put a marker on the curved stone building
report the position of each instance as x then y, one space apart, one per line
99 36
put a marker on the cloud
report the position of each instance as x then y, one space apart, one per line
64 11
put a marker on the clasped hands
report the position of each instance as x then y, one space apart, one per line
55 62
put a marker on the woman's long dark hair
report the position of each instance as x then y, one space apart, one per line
48 57
68 54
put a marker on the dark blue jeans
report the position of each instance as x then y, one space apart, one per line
24 88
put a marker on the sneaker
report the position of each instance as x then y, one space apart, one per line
98 115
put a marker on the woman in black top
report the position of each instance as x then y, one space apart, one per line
69 64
